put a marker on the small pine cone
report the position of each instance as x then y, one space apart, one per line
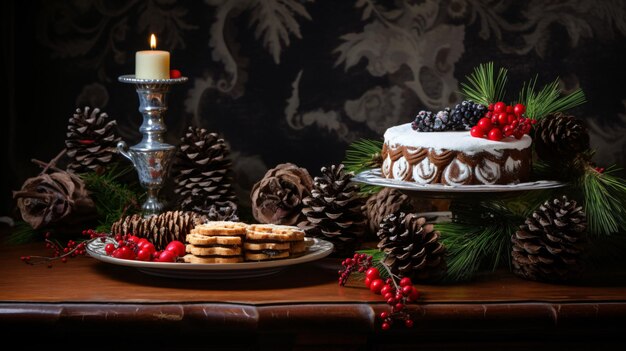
384 203
334 210
560 137
412 248
227 212
159 229
202 172
550 244
277 198
91 140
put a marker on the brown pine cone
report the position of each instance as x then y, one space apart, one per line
91 140
277 198
550 244
384 203
412 247
159 229
560 137
334 210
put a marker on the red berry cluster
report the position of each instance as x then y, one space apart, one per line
397 295
501 121
60 252
131 247
359 262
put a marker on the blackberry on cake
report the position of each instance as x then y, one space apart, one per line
427 121
466 114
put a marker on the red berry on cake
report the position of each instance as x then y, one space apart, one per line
511 118
503 118
519 110
484 124
499 107
495 134
509 109
477 132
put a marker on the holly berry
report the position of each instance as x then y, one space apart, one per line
174 73
495 134
167 256
406 281
372 273
123 252
177 247
408 323
519 110
414 295
376 286
503 118
499 107
484 124
109 248
144 255
477 132
387 289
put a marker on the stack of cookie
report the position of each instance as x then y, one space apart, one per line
270 242
216 242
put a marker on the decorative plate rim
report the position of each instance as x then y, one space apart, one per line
317 249
374 177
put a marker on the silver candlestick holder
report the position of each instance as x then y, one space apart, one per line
152 156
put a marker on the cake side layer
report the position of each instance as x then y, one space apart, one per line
507 162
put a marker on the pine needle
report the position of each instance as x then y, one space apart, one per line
605 201
483 87
23 233
377 261
549 99
479 237
363 154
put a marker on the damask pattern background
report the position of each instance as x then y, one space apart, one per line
297 80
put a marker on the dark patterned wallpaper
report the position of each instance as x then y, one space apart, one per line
296 80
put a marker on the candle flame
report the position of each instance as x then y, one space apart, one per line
152 41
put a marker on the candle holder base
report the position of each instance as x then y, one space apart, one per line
152 156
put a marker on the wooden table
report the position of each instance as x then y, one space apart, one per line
89 303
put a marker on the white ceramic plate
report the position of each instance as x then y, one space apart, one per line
374 177
316 249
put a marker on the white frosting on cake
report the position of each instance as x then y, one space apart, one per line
464 172
512 165
400 168
460 141
425 171
488 172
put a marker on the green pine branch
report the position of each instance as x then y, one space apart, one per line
362 155
605 201
479 237
113 198
548 100
483 86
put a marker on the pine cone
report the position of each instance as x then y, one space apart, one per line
412 248
51 198
227 212
384 203
159 229
560 137
550 244
333 211
277 198
203 174
91 140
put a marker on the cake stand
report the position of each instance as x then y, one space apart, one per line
461 193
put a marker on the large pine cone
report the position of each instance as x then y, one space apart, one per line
334 210
91 140
159 229
549 246
203 174
560 137
51 198
384 203
277 198
412 248
225 212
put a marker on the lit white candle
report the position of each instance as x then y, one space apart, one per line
152 64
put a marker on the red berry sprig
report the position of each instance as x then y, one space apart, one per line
501 121
59 252
396 294
131 247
